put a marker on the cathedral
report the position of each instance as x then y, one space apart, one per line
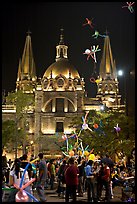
60 95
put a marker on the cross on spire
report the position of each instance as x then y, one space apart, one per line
61 36
28 32
106 32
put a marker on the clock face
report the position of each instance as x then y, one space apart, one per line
60 82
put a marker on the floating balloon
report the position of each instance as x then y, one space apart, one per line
86 153
79 152
89 22
117 128
64 137
91 157
91 53
85 126
92 80
71 153
95 125
129 6
87 51
96 34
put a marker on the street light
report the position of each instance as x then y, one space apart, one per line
121 73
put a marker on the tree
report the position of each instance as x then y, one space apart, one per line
104 137
23 103
9 135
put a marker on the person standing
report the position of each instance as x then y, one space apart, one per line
52 174
106 181
90 182
71 178
41 178
15 177
24 163
61 178
81 176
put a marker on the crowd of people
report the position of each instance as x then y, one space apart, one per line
74 176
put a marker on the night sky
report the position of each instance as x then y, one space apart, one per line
44 20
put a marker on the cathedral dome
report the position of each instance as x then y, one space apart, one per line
61 67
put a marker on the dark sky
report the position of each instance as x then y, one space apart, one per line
44 20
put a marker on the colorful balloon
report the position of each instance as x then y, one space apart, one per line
86 153
85 126
95 125
71 153
91 157
21 196
117 128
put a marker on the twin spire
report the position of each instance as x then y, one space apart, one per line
26 69
107 65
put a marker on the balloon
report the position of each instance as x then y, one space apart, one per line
87 51
91 157
86 153
70 147
80 152
85 126
95 125
28 183
65 154
21 196
35 199
92 79
34 160
117 128
97 81
71 153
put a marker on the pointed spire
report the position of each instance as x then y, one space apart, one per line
107 64
19 71
28 65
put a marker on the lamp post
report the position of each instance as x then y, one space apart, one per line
121 73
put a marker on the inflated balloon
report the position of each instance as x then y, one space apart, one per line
21 196
98 80
117 128
91 157
86 153
71 153
87 51
31 196
85 126
28 183
95 125
64 137
80 152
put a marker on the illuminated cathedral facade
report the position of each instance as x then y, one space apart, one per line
60 94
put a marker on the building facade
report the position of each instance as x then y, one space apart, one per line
60 95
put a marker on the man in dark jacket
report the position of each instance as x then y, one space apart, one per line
71 178
41 179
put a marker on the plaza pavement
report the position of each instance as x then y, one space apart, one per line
52 196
